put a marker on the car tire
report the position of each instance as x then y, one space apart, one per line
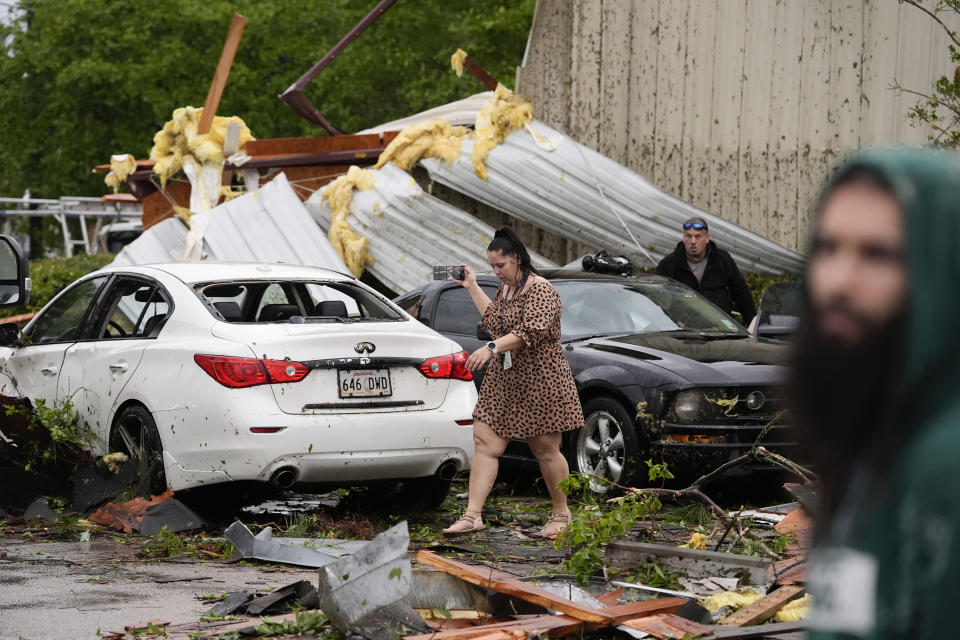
135 434
606 446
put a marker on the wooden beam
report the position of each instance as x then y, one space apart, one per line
503 583
223 70
763 610
551 626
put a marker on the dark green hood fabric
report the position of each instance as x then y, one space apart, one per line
911 522
928 186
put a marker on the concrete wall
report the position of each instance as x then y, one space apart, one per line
737 106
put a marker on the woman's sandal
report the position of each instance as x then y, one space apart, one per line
556 525
466 524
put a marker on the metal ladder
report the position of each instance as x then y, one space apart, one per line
67 208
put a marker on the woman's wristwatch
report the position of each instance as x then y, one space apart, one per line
492 346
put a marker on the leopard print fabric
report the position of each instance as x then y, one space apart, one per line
537 395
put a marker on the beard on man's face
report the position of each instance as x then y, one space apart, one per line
846 391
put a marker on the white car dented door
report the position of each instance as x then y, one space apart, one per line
33 369
94 372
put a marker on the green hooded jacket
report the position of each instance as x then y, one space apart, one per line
910 524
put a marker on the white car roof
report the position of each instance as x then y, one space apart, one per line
193 272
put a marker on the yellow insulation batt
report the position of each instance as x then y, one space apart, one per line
505 113
351 246
735 599
434 139
794 611
697 541
121 166
456 61
500 117
179 142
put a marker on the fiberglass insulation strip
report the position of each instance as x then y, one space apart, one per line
410 231
558 191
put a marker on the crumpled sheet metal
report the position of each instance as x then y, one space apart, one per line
270 225
410 231
573 192
263 547
163 242
460 112
376 575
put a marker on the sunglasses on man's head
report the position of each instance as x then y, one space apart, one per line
694 225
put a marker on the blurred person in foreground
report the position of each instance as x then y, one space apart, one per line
875 378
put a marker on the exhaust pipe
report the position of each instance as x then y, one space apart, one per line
284 478
447 470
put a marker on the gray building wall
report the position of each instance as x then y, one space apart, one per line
736 106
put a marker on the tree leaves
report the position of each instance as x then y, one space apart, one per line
84 79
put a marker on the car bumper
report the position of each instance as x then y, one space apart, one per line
334 449
707 446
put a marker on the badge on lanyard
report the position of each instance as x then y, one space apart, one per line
843 583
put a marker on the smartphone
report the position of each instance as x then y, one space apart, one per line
448 273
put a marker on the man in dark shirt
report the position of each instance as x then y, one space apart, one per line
703 266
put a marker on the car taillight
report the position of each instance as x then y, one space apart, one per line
249 372
452 366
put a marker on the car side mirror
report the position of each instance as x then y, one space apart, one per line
483 334
9 334
15 283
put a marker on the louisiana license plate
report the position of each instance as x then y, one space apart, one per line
363 383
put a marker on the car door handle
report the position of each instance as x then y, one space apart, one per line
118 367
49 371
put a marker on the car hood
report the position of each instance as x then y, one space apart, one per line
742 361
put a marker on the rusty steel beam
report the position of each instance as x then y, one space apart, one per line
294 96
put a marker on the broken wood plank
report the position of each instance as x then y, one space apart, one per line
610 598
511 586
692 562
220 75
760 630
668 625
764 609
552 626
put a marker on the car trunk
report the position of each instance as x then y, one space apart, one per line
345 377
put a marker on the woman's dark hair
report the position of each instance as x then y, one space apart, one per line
506 242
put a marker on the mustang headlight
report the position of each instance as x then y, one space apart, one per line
687 405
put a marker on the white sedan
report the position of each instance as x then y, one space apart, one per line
208 373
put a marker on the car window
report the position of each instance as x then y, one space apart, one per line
274 294
456 312
637 307
63 319
133 308
411 305
278 301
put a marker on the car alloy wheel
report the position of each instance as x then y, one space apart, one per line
607 446
135 434
600 450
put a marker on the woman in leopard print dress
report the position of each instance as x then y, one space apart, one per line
528 390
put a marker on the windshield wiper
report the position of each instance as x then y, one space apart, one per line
609 334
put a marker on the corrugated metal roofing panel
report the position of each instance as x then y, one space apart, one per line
271 225
163 242
410 231
584 196
460 112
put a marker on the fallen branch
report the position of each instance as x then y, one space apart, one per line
694 491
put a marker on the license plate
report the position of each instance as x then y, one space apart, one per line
363 383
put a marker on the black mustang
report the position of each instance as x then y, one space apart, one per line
661 372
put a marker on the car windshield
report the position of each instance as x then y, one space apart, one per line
309 301
609 307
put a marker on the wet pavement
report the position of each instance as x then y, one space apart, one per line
69 589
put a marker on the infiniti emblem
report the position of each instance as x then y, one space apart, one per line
364 347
